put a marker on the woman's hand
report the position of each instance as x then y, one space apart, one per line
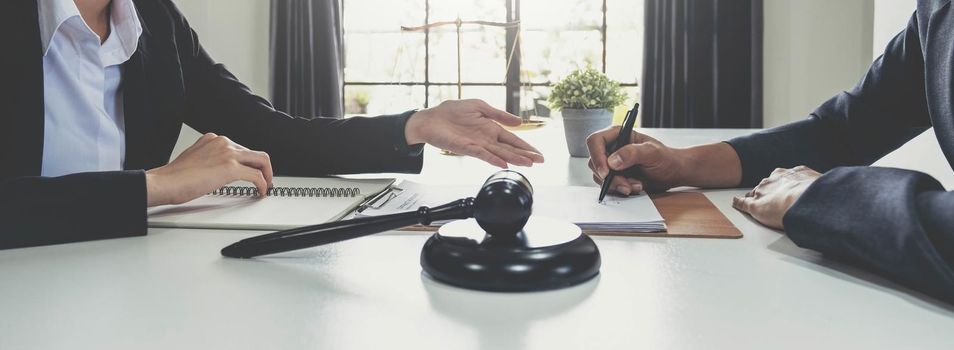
770 200
470 127
212 162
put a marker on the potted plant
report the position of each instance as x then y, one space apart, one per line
587 98
357 102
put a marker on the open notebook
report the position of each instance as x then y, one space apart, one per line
576 204
293 202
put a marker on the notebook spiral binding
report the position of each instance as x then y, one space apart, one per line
243 191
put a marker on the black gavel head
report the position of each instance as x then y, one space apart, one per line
504 203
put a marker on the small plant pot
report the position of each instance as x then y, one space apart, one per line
578 124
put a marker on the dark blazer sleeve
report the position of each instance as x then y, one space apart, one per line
856 127
896 222
80 207
217 102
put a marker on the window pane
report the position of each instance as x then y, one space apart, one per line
561 14
494 95
375 47
482 55
382 99
381 15
384 57
552 54
468 10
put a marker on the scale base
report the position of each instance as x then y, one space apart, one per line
547 254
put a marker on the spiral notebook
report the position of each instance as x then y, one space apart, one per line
292 202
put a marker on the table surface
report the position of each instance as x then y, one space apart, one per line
171 289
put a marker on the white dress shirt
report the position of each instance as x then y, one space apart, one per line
84 127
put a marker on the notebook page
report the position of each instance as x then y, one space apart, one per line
269 213
576 204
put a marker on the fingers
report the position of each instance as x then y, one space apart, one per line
484 155
635 185
509 155
743 203
205 138
633 154
257 160
622 186
251 166
509 138
596 143
496 114
255 176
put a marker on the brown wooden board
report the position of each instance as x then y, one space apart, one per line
687 214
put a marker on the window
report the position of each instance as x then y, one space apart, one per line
388 69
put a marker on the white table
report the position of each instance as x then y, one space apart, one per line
172 290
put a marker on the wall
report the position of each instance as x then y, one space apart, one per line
235 33
890 17
814 49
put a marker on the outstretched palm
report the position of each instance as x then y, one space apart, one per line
470 127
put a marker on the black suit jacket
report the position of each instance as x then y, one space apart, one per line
898 223
170 80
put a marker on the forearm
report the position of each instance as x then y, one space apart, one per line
714 165
81 207
892 221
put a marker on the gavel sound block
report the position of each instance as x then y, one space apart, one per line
496 244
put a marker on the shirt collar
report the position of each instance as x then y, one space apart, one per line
124 22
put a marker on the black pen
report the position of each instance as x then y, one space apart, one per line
622 139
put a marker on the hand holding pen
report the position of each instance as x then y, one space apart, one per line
622 139
641 163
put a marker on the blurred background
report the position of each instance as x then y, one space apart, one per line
791 55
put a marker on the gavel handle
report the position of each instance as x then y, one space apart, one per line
321 234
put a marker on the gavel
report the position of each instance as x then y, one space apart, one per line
502 207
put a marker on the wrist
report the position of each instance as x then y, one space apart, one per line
710 166
413 130
685 166
154 195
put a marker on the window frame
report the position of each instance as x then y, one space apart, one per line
512 82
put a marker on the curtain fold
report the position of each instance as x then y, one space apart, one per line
702 64
307 57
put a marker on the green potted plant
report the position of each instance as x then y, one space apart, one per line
587 98
357 102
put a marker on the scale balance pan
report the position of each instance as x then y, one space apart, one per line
547 254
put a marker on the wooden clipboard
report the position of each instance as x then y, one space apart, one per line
687 214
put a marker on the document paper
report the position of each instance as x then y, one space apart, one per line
576 204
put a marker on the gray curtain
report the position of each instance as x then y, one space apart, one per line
307 57
703 64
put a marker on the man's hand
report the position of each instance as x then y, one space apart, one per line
470 127
212 162
770 200
661 167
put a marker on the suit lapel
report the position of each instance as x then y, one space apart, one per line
135 109
938 46
21 122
